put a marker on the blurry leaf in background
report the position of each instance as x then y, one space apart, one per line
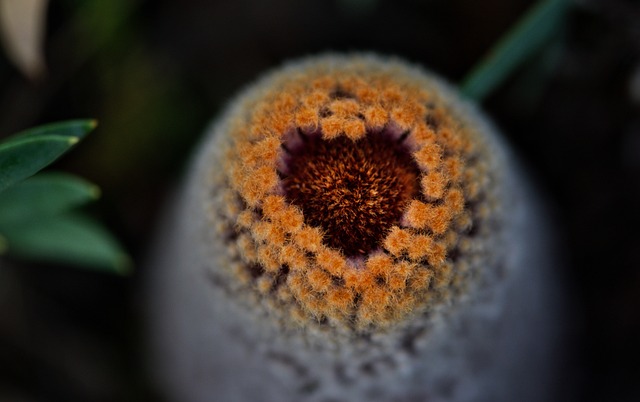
22 25
44 195
23 154
69 239
34 222
534 30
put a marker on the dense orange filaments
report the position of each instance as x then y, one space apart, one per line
308 238
268 258
429 156
348 194
376 116
379 265
433 185
340 298
331 260
397 241
290 219
419 247
417 214
307 118
345 108
354 129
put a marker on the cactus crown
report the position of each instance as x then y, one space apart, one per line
350 193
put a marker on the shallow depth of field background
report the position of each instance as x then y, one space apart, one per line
155 72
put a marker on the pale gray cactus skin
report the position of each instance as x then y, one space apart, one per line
495 342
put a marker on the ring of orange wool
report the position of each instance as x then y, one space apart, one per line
408 266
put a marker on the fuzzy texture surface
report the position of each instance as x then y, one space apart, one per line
351 230
349 191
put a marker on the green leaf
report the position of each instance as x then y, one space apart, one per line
44 195
24 154
535 29
3 245
68 239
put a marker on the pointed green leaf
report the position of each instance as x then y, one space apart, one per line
71 128
69 239
44 195
536 28
23 154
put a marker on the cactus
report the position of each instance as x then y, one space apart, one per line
351 229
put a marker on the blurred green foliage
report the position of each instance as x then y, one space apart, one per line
536 29
23 154
68 238
45 195
35 218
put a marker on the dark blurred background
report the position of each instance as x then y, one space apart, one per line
155 72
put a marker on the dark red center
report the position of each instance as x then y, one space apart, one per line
354 190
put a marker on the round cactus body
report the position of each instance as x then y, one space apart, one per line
352 230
